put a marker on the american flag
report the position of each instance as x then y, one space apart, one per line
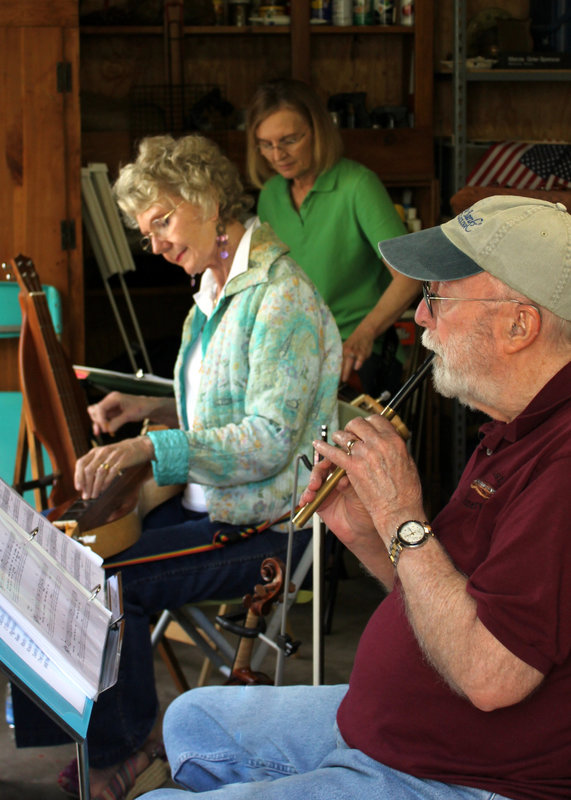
522 165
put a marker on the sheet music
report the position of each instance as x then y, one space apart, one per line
23 645
75 558
66 618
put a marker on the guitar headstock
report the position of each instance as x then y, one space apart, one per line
26 275
7 273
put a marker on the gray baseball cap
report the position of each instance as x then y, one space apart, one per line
524 242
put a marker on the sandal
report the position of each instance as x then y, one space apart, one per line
126 784
68 779
153 777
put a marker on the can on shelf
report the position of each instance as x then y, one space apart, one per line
361 12
406 12
342 13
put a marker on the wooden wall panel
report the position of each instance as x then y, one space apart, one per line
518 110
353 63
39 12
236 63
39 171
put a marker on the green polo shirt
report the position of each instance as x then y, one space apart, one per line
334 236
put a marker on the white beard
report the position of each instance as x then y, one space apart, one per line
464 367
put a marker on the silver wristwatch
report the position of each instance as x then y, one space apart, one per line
410 534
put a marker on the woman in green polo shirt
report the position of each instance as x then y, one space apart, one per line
331 212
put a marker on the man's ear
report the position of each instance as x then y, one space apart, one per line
523 328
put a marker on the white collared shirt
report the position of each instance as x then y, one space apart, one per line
193 496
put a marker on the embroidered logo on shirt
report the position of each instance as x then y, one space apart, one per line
484 489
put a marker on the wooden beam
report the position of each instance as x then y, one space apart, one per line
299 41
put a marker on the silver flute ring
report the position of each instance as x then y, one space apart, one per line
350 445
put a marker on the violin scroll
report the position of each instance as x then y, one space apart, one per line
259 605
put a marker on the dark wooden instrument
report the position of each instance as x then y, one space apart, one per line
53 400
56 413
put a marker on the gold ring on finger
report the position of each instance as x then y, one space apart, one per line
350 445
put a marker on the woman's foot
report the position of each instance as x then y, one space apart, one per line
142 772
113 783
68 779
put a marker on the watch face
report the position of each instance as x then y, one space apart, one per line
411 533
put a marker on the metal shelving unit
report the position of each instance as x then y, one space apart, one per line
462 76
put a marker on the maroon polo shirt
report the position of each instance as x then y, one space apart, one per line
508 528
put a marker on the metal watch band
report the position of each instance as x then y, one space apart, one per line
395 549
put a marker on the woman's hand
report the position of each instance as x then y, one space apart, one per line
357 349
396 298
115 410
95 471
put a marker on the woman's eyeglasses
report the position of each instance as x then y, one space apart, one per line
159 227
430 297
286 145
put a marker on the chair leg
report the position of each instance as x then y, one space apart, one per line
194 629
206 668
37 464
166 652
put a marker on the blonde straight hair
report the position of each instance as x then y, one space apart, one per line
297 96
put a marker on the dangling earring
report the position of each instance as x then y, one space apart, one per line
222 239
192 281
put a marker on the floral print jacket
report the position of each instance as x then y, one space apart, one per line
270 372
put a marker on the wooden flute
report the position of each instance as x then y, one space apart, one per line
305 512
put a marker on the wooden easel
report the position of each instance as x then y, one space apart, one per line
29 449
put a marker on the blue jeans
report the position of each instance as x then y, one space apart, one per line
124 715
279 743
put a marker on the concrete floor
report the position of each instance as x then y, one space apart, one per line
31 774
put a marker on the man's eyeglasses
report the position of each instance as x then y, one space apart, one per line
430 297
286 145
159 227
